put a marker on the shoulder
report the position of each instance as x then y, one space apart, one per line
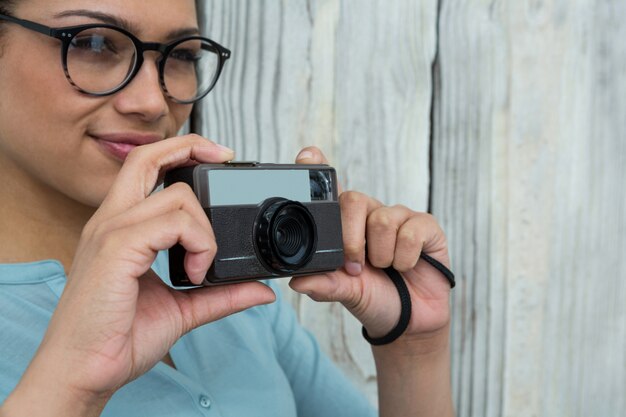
29 294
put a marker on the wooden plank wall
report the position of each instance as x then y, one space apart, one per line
505 118
528 177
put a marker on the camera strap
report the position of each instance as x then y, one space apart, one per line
405 301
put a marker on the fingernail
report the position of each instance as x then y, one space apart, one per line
353 268
304 155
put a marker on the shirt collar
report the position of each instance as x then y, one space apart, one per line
31 272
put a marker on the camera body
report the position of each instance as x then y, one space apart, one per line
269 220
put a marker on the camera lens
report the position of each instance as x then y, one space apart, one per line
289 236
286 235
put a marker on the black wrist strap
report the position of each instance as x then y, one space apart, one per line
405 301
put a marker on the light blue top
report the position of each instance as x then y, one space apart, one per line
256 363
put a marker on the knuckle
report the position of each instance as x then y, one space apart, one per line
352 198
380 220
401 207
432 223
211 249
151 163
409 237
182 191
353 248
183 219
380 259
194 139
135 155
184 198
186 224
190 140
430 219
231 301
142 157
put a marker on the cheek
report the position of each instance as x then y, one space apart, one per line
35 94
42 125
180 114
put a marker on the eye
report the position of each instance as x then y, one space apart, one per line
93 43
185 55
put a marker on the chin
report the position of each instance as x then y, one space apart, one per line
91 195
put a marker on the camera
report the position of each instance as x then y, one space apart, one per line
269 220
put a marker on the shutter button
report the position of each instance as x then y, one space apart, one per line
205 402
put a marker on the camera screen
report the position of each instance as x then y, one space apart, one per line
252 186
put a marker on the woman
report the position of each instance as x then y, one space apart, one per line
88 328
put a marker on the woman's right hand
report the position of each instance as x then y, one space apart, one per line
116 319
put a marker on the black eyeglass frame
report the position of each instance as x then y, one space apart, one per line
67 34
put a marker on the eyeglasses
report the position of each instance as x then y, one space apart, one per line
101 59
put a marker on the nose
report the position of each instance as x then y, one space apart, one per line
143 97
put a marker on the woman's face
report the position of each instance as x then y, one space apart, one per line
60 140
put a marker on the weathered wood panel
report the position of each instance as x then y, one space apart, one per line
528 181
350 77
528 161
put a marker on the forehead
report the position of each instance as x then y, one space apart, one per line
147 18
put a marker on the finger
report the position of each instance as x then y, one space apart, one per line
332 286
178 196
419 229
409 244
314 156
138 244
382 229
420 233
311 155
365 299
434 238
203 305
141 170
355 209
436 243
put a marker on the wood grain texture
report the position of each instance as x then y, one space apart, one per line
528 162
528 182
352 78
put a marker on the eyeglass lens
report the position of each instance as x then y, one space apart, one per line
190 69
99 60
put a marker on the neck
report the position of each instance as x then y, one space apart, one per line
37 222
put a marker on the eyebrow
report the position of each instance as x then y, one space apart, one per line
123 23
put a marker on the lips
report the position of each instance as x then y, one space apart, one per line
119 145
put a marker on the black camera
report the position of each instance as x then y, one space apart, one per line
269 220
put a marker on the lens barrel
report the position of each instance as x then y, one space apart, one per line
285 235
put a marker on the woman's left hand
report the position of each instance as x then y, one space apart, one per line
395 237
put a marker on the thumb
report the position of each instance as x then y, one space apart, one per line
373 302
331 286
312 155
207 304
